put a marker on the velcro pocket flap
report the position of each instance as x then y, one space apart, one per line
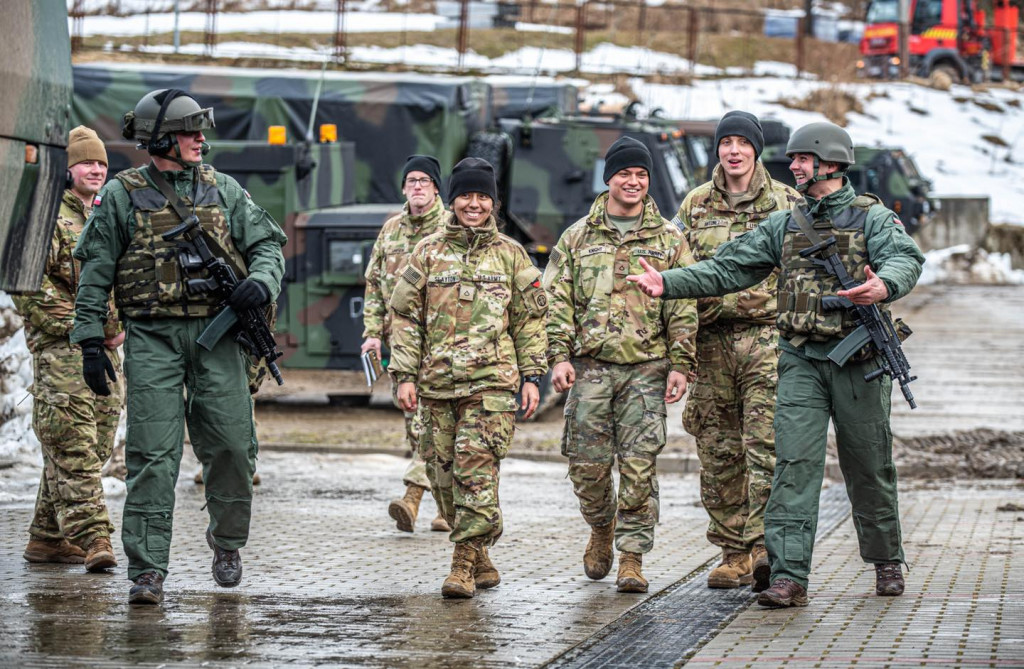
50 396
526 278
499 403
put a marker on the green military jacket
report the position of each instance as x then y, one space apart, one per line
109 230
708 221
747 260
594 312
467 314
49 313
395 242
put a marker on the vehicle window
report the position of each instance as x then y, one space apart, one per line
883 12
598 186
927 13
680 182
345 257
699 151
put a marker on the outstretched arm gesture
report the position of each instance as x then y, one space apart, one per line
871 291
650 282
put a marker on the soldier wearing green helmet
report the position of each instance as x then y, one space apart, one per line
163 299
812 389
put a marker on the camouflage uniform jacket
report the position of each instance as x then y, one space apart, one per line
467 314
49 313
708 221
596 313
111 227
395 242
748 259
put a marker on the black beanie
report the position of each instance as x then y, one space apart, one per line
472 175
626 152
426 164
743 124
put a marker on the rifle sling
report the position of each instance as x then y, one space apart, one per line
806 227
181 209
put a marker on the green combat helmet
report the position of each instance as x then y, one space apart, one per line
825 141
159 115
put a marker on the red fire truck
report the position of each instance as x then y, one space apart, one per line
953 36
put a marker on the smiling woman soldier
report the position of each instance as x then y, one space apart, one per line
467 333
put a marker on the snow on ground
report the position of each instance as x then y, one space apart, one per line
17 441
966 265
322 22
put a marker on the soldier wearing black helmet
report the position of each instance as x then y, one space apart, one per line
812 389
122 248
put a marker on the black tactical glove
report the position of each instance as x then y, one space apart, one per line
96 366
249 294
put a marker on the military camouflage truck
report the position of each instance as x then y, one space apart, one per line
889 173
35 73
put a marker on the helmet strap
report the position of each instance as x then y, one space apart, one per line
816 176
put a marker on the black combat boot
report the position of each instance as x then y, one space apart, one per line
227 565
148 589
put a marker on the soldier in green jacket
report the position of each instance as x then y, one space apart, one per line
421 216
467 333
122 248
812 389
731 403
74 425
623 355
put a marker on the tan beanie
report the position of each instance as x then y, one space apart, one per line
84 144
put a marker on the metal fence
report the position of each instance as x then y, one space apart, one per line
525 36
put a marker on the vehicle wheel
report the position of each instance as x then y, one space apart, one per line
492 147
948 70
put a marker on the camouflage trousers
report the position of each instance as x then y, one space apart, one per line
76 430
729 411
416 472
617 411
463 443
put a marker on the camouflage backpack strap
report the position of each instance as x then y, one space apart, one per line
132 179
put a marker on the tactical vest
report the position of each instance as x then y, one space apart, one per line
150 280
803 284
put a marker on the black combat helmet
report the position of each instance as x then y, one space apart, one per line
159 115
825 141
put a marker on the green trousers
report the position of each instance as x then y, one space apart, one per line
810 392
162 360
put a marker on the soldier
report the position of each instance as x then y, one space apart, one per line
811 387
632 355
421 216
75 426
467 325
731 404
122 247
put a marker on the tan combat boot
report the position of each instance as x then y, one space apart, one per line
597 560
630 577
439 524
62 551
761 567
460 583
732 572
405 510
100 555
485 574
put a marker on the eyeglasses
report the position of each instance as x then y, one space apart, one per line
423 182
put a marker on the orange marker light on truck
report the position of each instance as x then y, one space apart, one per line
277 135
328 133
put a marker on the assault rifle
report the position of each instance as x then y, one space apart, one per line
254 332
874 327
